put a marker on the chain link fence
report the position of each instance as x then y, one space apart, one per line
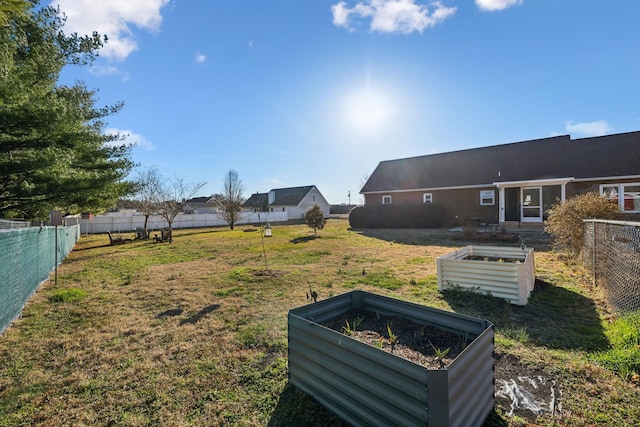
612 252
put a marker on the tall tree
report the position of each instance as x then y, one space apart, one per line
230 203
54 153
10 7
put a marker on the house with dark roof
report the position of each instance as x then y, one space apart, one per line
296 201
200 205
515 183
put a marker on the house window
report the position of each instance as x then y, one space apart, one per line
487 198
427 198
626 196
314 197
386 200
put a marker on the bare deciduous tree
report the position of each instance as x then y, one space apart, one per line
148 184
172 195
231 200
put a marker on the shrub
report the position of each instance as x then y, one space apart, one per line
315 219
565 221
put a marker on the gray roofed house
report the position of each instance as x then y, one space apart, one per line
296 201
516 182
199 205
258 202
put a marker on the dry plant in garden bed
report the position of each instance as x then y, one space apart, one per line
421 344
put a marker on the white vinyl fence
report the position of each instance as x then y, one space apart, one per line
127 222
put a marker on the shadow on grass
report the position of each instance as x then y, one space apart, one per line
170 313
199 315
86 248
296 408
182 232
443 237
554 317
304 239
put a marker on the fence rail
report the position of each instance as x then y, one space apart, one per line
611 251
129 222
28 257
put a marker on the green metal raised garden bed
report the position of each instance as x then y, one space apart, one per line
367 386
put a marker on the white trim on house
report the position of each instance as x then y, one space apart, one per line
459 187
607 178
534 182
505 184
628 197
562 182
486 195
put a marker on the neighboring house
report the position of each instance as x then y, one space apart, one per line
200 205
296 201
513 183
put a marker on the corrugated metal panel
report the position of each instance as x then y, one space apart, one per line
511 281
471 382
377 389
367 386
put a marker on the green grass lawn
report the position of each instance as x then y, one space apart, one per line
195 332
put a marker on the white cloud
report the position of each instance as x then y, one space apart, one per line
113 18
391 16
130 138
597 128
494 5
200 58
110 70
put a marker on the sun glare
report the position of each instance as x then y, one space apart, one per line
367 110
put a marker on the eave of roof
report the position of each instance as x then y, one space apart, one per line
290 196
548 158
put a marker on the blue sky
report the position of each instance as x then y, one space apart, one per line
318 92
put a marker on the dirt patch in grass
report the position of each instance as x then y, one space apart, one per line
526 391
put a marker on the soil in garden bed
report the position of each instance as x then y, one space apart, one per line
421 344
493 259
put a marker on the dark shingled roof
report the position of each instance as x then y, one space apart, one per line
548 158
199 200
282 197
257 200
290 196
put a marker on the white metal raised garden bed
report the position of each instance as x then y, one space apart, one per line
503 272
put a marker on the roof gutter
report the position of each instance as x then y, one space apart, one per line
459 187
534 182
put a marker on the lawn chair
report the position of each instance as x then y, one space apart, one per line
117 240
141 233
165 236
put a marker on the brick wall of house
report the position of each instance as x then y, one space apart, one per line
459 204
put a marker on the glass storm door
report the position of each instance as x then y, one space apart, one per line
531 204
